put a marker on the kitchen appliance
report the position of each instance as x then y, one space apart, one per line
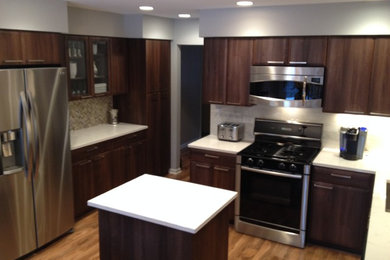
230 131
352 142
286 86
272 179
36 196
113 116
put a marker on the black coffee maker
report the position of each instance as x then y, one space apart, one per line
352 142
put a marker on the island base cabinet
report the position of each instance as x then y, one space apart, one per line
123 237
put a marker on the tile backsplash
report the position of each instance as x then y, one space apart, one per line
89 112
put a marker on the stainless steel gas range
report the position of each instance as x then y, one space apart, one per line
272 178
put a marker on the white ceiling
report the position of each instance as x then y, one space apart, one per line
171 8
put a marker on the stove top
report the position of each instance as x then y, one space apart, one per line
281 151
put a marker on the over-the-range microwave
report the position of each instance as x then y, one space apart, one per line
287 86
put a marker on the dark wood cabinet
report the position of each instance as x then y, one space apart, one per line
31 48
380 78
119 65
307 51
88 66
213 169
103 166
348 74
339 208
148 100
226 70
270 51
214 70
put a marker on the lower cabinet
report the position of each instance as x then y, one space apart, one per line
339 208
213 169
103 166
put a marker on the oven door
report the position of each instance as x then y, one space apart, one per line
271 199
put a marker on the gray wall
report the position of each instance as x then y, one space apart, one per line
364 18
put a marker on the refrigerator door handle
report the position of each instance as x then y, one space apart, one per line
35 130
25 121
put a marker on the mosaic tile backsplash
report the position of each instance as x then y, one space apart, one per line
89 112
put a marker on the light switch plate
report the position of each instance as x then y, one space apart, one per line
388 196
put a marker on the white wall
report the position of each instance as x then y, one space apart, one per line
317 19
186 32
157 28
36 15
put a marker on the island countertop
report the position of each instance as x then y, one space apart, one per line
172 203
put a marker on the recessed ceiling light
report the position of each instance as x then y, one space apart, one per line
146 8
244 3
184 15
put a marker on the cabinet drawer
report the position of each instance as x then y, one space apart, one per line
213 158
134 137
342 177
88 151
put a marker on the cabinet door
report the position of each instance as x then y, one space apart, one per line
307 50
238 71
83 186
102 172
214 70
10 48
137 159
349 62
380 78
119 66
77 57
201 173
270 51
42 48
119 169
157 65
224 178
338 216
99 67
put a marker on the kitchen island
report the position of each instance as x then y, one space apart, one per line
154 217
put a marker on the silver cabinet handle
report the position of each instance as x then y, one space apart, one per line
298 62
353 112
275 62
25 121
36 61
379 114
304 90
202 166
36 152
323 186
279 174
215 102
341 176
13 61
221 169
211 156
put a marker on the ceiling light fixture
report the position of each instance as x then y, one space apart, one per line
184 15
244 3
146 8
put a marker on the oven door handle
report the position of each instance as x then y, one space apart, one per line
279 174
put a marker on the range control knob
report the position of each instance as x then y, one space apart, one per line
282 166
249 162
260 163
292 167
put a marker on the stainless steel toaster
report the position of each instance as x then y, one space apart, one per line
228 131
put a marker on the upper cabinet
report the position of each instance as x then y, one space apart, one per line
119 66
30 48
88 66
348 71
380 77
226 70
290 51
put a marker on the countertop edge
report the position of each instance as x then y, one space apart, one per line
346 168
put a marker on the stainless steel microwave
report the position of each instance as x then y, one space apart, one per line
286 86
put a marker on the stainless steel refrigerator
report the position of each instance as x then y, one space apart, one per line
36 196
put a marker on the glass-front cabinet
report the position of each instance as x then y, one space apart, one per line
88 66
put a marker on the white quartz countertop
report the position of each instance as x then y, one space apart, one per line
99 133
330 158
172 203
212 143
